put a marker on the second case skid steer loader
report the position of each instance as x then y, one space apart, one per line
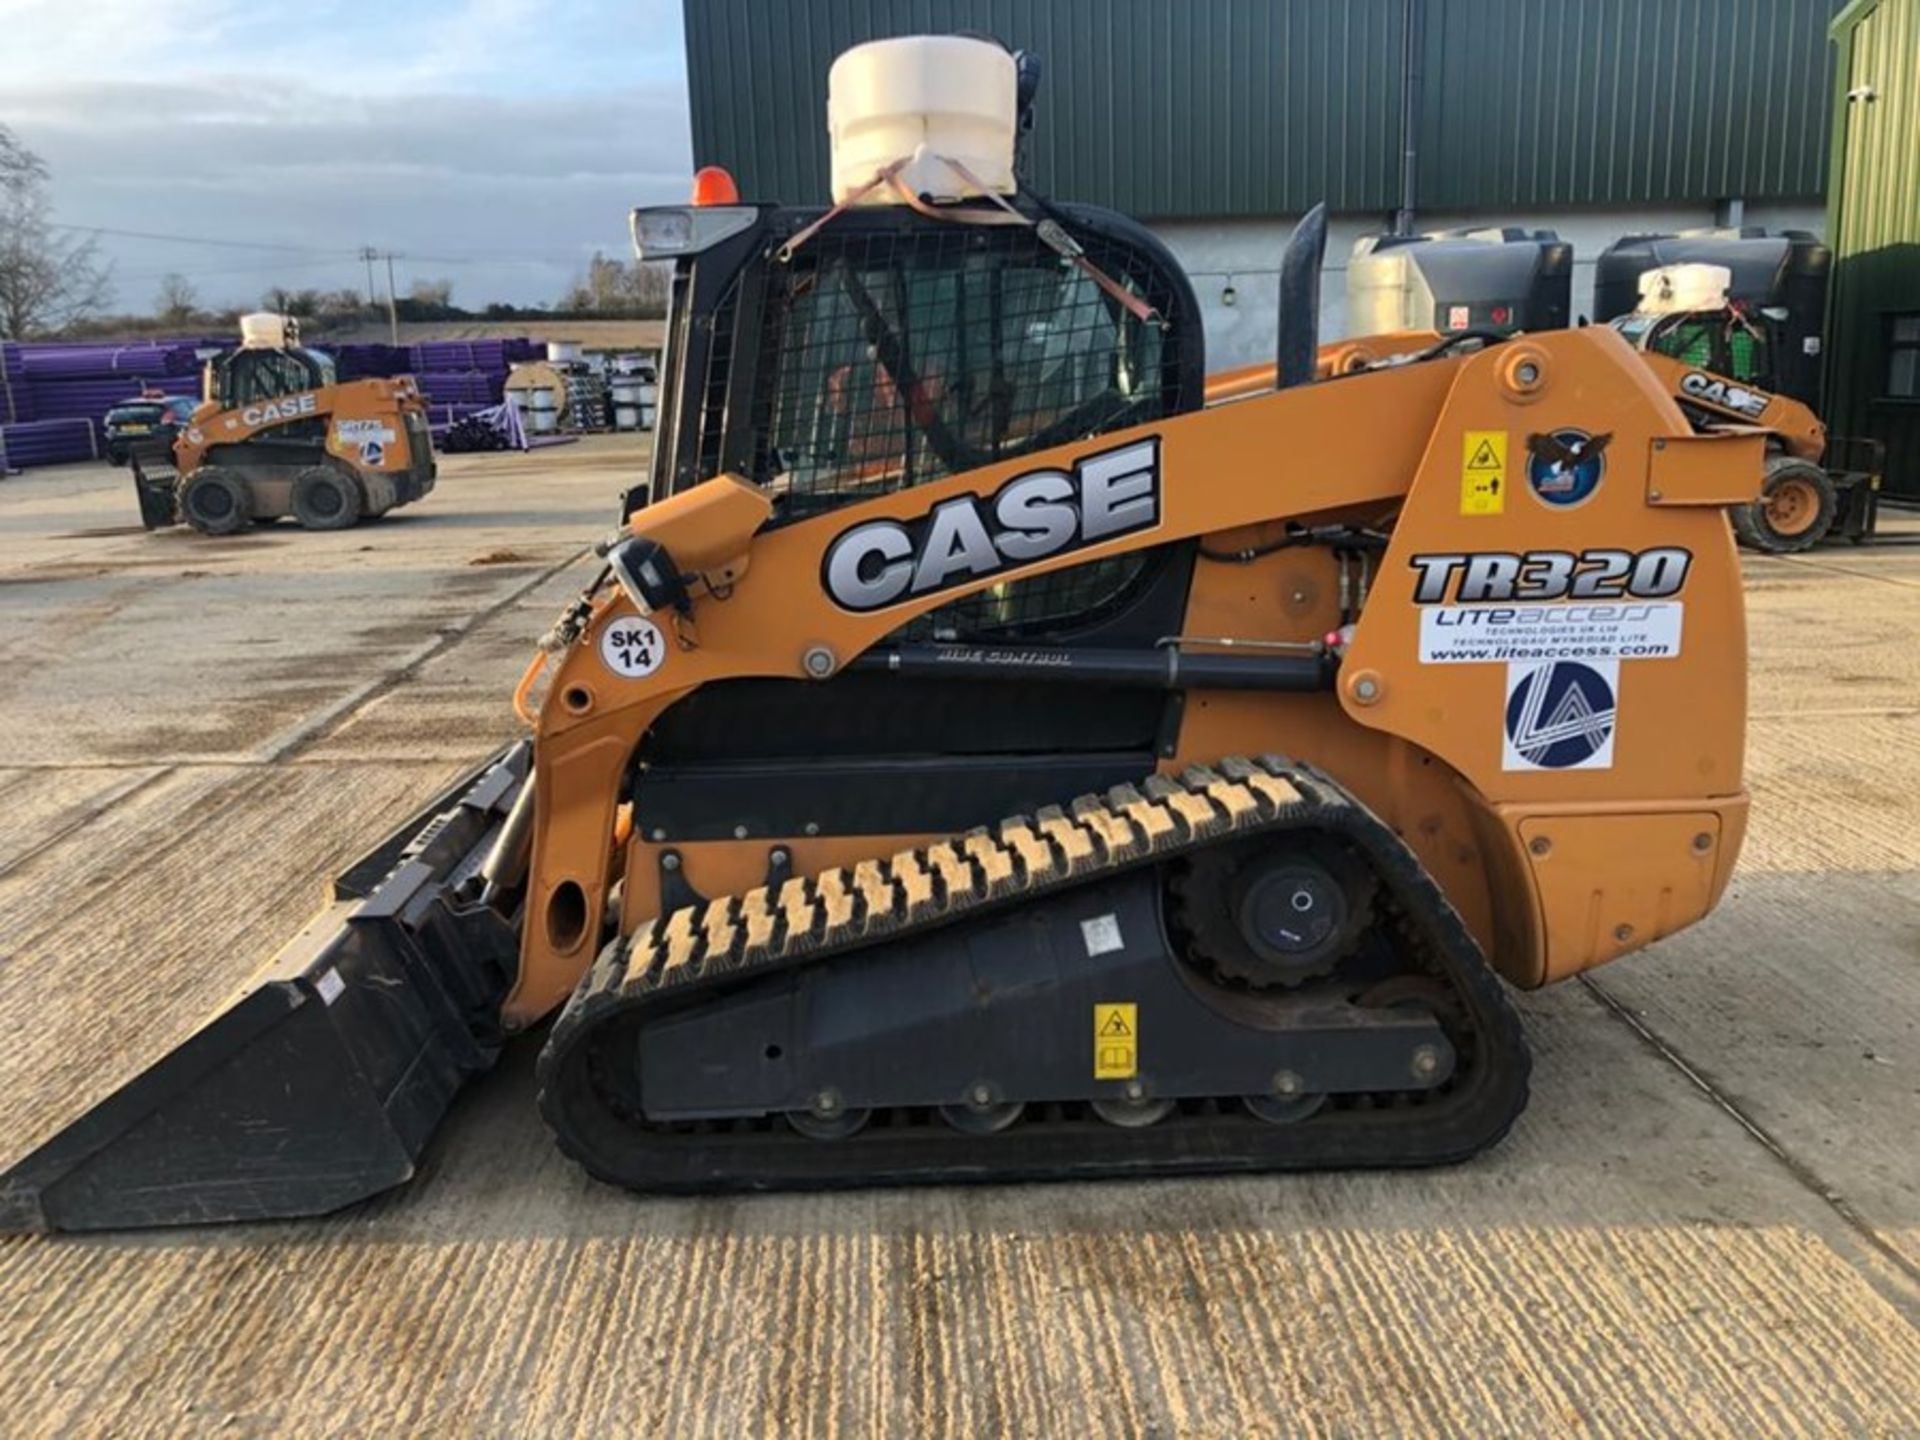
278 435
985 760
1717 358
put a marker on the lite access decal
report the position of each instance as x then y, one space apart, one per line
1547 605
1032 517
1560 715
1602 630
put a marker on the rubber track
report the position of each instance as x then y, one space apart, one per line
733 940
836 910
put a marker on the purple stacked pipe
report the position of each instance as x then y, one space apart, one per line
70 389
461 387
49 362
16 401
47 442
468 373
362 362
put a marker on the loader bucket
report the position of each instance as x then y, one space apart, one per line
320 1085
158 494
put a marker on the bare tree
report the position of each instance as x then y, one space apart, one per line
615 287
47 282
435 294
176 302
347 304
298 303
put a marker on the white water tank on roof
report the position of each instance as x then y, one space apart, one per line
920 98
264 330
1684 289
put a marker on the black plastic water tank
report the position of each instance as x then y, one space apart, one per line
1447 280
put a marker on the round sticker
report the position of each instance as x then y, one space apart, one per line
1564 467
633 647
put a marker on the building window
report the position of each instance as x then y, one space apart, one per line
1903 356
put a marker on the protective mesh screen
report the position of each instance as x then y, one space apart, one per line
885 359
1718 344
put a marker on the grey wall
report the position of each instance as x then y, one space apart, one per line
1249 252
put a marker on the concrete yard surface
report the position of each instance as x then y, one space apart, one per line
1707 1222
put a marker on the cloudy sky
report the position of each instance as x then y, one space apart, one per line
495 143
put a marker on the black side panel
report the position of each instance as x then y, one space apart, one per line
876 754
858 714
271 448
916 753
889 796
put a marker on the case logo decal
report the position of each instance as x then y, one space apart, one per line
291 407
1724 394
1032 517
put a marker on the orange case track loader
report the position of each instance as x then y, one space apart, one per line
279 436
986 757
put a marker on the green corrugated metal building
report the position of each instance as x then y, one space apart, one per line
1217 108
1219 121
1873 225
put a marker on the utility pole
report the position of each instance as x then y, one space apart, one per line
369 254
393 314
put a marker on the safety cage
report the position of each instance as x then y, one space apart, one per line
889 350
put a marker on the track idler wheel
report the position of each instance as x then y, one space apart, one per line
1275 915
989 1119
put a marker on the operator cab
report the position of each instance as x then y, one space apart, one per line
832 356
887 348
269 363
1743 303
1685 312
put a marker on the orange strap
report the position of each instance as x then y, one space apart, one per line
884 177
1063 244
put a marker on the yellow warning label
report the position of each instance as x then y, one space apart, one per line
1116 1042
1483 473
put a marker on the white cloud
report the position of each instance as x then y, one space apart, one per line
505 133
